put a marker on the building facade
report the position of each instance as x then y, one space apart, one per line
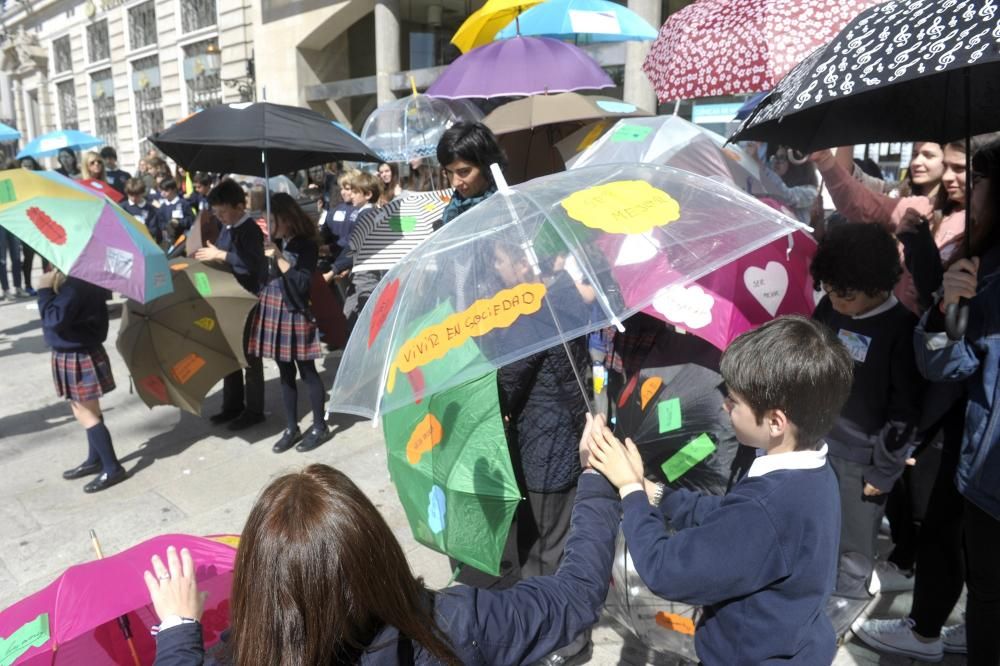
122 70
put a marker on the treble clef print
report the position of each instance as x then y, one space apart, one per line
988 10
803 97
848 85
903 37
936 28
947 58
856 42
941 44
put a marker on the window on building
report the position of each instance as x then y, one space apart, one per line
102 98
197 14
202 74
97 41
142 25
66 94
148 98
62 54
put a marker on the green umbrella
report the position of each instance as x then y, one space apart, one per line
179 346
449 460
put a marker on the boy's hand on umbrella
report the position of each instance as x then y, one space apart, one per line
960 281
612 458
172 586
585 439
210 253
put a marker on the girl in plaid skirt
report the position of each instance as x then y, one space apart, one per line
284 327
75 324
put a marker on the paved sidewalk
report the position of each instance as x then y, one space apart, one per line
186 476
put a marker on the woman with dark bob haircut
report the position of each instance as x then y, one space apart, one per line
320 579
465 152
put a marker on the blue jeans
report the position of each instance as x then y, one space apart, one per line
9 244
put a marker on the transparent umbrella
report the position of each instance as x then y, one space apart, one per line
410 127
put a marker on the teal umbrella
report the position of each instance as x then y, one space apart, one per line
48 145
583 21
8 133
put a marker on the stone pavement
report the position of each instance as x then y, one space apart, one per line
186 476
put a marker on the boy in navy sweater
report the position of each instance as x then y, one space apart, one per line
857 265
174 212
761 560
138 206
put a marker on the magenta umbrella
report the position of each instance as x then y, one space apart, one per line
520 66
75 619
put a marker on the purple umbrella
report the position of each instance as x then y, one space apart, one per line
520 66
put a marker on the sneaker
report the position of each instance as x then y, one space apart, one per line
20 293
30 291
953 639
893 579
5 296
897 637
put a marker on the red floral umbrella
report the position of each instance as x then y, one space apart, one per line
729 47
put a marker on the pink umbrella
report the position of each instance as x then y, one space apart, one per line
772 280
728 47
74 619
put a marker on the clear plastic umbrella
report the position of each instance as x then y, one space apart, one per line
410 127
537 265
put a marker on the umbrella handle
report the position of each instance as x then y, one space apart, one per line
956 319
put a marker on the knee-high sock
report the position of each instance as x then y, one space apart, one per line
317 395
100 439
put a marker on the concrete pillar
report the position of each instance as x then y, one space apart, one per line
637 88
387 60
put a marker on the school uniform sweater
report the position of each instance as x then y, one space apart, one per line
178 210
761 560
146 214
243 244
75 319
878 425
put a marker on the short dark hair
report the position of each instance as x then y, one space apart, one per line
227 193
168 184
109 151
986 163
857 257
474 143
135 186
205 179
796 365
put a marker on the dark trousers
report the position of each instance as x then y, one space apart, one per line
907 505
236 397
982 567
860 517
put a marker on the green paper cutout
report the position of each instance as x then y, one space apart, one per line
7 191
202 284
690 455
630 133
31 634
669 414
402 223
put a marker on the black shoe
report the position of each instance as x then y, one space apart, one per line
246 420
82 470
225 416
581 657
287 441
316 436
105 480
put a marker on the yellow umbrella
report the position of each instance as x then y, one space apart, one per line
483 24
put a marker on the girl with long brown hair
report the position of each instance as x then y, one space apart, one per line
284 327
321 579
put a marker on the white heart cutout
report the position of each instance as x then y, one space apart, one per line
768 285
637 249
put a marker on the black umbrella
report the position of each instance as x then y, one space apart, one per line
902 70
258 139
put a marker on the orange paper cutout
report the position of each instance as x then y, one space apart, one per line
674 622
187 367
178 267
649 389
425 437
154 384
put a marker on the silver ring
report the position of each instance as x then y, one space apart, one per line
164 576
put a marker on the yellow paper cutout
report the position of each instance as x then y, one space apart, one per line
425 437
187 367
674 622
206 323
622 207
649 389
480 318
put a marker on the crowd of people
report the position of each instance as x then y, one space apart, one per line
865 411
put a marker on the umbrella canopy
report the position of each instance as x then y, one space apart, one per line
449 461
723 47
583 21
73 619
537 110
410 127
383 237
49 145
178 347
83 234
258 139
102 188
520 66
533 266
481 26
911 85
675 142
8 133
